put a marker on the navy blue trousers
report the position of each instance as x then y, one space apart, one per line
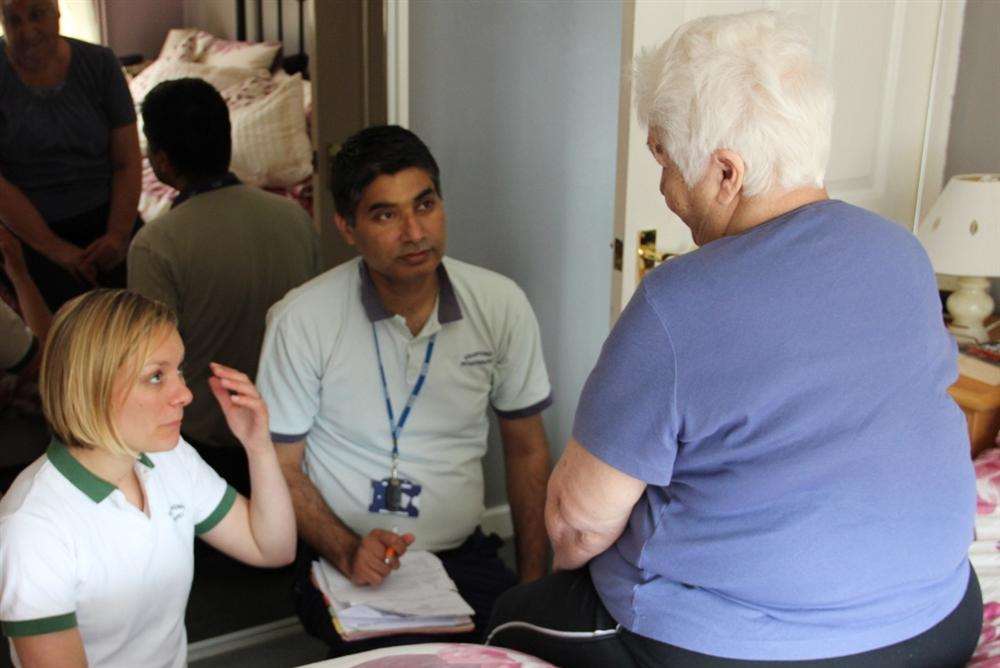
561 619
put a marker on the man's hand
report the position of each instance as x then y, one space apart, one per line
372 561
13 255
107 251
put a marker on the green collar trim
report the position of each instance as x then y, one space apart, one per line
96 488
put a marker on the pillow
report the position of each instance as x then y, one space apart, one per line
167 70
281 75
271 147
187 44
230 53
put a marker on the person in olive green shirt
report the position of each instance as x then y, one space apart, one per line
222 255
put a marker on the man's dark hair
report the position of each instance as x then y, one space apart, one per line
366 155
188 120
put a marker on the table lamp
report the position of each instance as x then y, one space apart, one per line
961 234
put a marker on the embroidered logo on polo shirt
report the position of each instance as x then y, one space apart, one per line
177 511
478 358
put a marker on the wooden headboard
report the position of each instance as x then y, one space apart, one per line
298 62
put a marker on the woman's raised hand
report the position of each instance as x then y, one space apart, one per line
245 411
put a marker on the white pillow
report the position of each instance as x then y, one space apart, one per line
271 147
187 44
167 70
230 53
281 75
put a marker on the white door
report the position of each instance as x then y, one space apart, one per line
893 65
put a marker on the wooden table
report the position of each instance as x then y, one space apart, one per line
981 404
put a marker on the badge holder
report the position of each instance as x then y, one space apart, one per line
395 496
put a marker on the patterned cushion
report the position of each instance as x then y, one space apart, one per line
231 53
189 44
271 145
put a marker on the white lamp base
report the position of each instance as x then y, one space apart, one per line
969 306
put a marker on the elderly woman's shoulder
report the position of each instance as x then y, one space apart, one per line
93 55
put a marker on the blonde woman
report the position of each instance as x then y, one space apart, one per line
96 536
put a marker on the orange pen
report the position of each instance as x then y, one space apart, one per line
390 552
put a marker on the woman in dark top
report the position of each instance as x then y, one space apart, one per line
70 169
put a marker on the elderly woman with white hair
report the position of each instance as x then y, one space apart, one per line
766 467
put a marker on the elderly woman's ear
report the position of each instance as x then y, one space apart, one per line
726 173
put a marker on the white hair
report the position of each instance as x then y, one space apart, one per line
743 82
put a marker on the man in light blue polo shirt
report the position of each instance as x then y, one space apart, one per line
379 374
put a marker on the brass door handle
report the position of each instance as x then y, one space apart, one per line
648 257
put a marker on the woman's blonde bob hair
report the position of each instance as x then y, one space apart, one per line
97 344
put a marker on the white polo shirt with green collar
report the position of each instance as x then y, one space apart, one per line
320 377
75 553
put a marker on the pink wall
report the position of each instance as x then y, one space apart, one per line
139 26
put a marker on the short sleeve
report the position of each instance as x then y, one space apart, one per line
627 414
150 274
117 101
520 384
37 578
211 497
289 377
17 343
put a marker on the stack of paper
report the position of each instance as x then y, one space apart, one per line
418 597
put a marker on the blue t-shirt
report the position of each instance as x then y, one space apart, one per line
54 142
784 395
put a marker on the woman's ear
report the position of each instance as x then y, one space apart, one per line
730 169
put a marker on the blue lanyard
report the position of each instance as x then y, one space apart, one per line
397 428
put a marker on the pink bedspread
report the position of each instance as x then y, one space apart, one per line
985 555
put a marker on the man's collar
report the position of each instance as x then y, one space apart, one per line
93 486
448 308
199 187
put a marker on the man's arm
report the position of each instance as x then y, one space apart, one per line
527 462
150 274
587 506
360 559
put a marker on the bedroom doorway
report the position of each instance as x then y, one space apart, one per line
349 93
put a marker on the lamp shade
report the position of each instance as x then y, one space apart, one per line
961 232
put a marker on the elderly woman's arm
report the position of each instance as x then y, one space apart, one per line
126 182
587 507
261 531
22 218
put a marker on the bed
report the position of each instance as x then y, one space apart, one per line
985 555
269 100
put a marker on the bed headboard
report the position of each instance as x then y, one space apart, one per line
291 63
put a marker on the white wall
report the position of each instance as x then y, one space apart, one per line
519 102
139 26
219 18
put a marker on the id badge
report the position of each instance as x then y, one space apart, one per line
395 496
